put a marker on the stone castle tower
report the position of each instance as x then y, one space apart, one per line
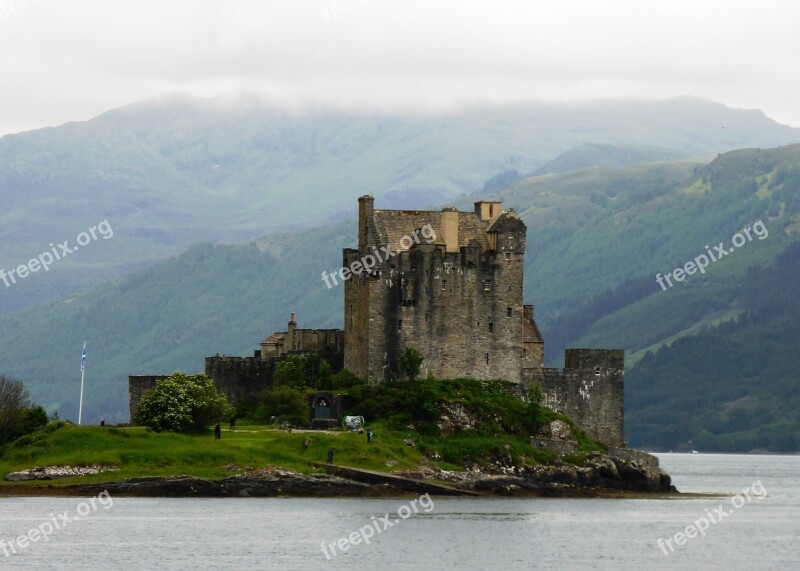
446 283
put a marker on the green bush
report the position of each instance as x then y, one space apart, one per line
285 404
183 403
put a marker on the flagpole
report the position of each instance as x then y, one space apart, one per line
83 372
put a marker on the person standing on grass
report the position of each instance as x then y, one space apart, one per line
217 432
369 435
233 423
330 456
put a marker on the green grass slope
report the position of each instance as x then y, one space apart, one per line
500 426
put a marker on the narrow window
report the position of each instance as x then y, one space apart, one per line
508 311
487 285
444 285
426 317
399 324
524 353
487 358
491 327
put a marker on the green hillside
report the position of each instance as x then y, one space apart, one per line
596 239
174 171
596 154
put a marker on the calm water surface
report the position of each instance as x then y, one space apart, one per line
239 534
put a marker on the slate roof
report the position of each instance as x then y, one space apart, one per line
392 225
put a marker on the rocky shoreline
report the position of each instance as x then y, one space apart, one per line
598 475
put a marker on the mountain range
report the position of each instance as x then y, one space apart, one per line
710 359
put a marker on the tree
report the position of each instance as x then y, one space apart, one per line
297 371
17 416
411 363
284 403
13 402
183 403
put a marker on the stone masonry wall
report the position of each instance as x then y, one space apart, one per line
590 390
461 310
242 379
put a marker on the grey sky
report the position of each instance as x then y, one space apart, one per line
71 60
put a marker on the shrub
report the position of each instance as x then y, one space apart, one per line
285 404
183 403
411 363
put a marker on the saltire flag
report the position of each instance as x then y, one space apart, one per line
83 357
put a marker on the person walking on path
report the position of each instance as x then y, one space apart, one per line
233 423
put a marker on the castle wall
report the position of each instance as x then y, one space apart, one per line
138 385
590 390
241 379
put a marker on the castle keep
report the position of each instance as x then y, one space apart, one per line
448 284
455 297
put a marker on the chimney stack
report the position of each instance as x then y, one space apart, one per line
527 311
366 204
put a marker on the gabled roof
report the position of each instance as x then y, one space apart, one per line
530 332
392 225
274 338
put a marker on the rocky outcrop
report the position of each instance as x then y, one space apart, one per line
282 483
597 474
54 472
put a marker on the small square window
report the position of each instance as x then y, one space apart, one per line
511 235
597 371
508 255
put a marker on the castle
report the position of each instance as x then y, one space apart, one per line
448 284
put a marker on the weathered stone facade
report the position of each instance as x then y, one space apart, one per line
453 292
590 390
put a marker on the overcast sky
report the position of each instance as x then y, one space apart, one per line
71 60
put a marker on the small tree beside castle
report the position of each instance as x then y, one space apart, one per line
183 403
411 363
